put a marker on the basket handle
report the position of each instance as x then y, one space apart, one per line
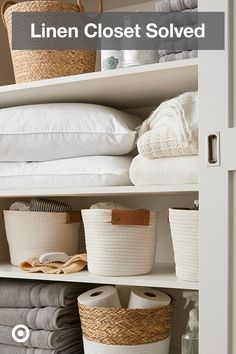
130 217
73 217
4 6
82 8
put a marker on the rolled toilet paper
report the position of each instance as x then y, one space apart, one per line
104 296
145 298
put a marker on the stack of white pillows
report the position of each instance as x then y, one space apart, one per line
60 145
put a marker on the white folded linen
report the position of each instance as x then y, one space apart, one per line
172 170
172 129
90 171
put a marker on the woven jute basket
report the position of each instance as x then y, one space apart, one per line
121 330
120 242
32 65
30 234
185 237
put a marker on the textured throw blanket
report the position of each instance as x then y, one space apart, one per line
175 5
172 129
179 56
44 339
23 294
46 318
10 349
172 170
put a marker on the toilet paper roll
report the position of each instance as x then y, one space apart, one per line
145 298
104 296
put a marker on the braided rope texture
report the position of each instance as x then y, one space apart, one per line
33 65
119 326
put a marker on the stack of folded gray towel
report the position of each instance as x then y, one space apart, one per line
181 49
49 311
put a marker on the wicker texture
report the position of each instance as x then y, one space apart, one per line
185 237
118 250
30 234
119 326
161 347
32 65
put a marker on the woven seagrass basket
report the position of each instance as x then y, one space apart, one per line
126 331
33 65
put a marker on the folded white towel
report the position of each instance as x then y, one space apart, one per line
172 129
173 170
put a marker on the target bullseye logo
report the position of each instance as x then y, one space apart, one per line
20 333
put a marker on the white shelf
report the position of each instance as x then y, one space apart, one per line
151 84
97 191
163 276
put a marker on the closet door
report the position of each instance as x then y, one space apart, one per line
217 190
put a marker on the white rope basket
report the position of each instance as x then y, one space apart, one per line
115 246
30 234
185 237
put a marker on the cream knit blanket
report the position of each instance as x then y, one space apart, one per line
172 129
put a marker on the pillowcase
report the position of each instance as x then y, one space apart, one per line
88 171
64 130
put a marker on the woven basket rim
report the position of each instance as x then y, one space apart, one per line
184 210
122 326
126 310
110 210
34 212
22 3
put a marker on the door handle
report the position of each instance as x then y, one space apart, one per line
213 150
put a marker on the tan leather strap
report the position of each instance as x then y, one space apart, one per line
130 217
4 6
82 8
73 217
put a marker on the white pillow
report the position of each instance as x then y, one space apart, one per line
89 171
64 130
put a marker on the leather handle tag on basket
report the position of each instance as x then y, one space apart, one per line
82 8
130 217
73 217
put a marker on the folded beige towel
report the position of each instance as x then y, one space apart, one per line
73 265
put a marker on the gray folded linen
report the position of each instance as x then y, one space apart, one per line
182 18
179 56
178 46
45 318
175 5
23 294
11 349
44 339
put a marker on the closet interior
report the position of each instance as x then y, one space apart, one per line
136 90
